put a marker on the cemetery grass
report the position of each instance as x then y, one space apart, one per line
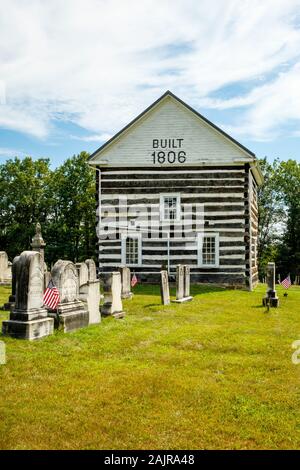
215 373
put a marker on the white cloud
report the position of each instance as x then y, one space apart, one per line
97 63
274 106
93 138
10 153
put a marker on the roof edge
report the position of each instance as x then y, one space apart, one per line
169 93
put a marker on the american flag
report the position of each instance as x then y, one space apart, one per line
133 280
286 283
51 296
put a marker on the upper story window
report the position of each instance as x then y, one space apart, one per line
131 249
208 250
170 207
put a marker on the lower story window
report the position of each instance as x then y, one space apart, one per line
208 250
131 249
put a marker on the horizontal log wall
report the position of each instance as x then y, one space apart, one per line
222 190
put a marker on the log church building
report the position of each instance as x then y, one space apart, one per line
173 188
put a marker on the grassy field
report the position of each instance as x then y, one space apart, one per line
215 373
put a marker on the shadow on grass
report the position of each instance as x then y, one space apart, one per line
152 305
196 289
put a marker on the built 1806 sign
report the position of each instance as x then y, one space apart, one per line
172 152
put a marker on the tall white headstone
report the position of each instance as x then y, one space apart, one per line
126 282
182 284
89 289
271 298
5 269
164 288
112 290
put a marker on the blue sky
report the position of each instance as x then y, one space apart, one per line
73 73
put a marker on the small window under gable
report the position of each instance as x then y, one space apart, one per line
208 250
170 207
131 249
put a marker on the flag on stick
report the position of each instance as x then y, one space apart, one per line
134 280
286 283
51 296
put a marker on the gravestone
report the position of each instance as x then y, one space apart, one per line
270 298
182 284
38 244
89 289
126 282
71 313
5 269
28 319
94 293
164 288
112 290
187 282
83 273
12 298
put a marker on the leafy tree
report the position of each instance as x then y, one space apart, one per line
23 187
279 216
70 233
288 183
63 201
270 215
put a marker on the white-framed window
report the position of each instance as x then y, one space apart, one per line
208 250
170 207
131 249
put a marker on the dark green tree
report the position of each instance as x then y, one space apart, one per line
23 201
271 215
288 184
70 232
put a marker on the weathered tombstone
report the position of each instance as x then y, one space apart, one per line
12 298
89 289
94 294
179 283
38 244
71 312
187 282
126 282
5 269
164 288
112 290
83 273
271 298
182 284
28 319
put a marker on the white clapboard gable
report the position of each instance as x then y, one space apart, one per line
170 133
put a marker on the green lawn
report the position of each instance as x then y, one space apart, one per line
214 373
